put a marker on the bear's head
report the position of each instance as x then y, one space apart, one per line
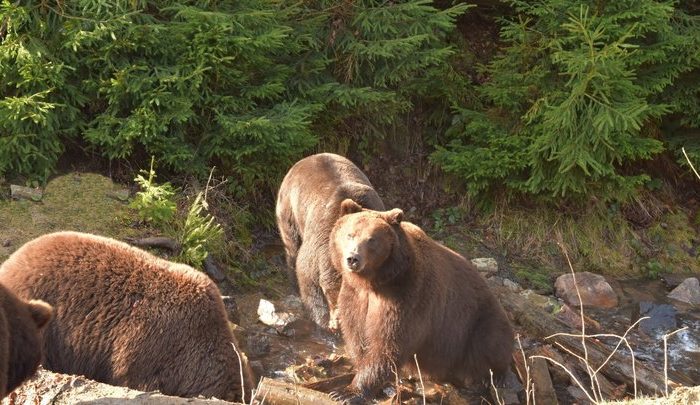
364 240
26 321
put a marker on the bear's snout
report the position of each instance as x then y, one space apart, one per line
353 261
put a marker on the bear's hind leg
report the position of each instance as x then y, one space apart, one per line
310 290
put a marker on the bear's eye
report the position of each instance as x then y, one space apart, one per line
371 239
349 236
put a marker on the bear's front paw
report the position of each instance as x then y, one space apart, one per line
347 397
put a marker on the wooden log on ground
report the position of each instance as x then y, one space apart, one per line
541 324
276 392
544 389
331 384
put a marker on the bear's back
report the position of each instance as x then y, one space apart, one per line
315 185
126 317
84 263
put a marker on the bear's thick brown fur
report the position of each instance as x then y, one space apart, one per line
125 317
308 205
21 325
404 294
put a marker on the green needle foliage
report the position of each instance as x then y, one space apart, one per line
155 203
576 98
198 232
248 86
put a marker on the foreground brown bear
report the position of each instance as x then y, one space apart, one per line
308 205
21 324
125 317
405 294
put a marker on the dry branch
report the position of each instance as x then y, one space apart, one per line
541 324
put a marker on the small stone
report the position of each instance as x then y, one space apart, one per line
6 243
120 195
688 291
27 193
268 315
594 290
512 285
486 264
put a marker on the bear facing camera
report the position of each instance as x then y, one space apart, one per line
403 294
21 325
125 317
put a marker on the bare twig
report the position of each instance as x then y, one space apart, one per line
499 401
665 338
690 163
206 188
527 372
420 377
240 368
614 350
573 377
595 386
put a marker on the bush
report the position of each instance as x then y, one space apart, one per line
248 86
575 99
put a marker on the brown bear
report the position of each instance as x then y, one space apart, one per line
308 204
125 317
404 294
21 325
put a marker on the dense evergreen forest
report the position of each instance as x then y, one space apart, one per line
558 103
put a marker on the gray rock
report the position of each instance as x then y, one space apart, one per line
231 309
120 195
512 285
20 192
268 315
662 318
688 291
485 264
594 290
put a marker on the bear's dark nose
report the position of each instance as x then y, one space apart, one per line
353 262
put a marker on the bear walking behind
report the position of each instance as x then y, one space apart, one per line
404 294
308 205
21 325
125 317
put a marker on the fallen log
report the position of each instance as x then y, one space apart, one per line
541 324
331 384
281 393
544 389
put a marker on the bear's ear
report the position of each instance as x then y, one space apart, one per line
41 312
348 206
394 216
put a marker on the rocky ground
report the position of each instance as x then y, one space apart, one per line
282 344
